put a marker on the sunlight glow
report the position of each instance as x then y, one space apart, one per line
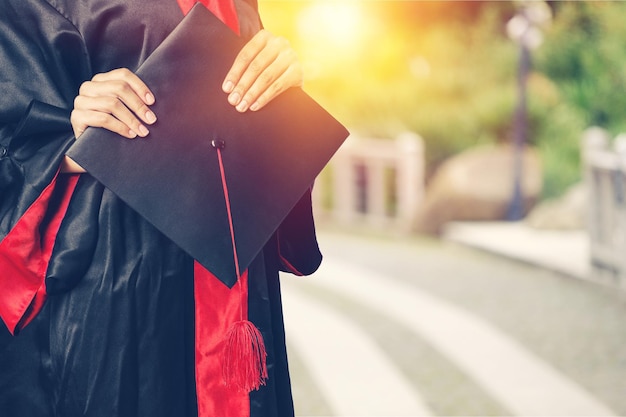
333 23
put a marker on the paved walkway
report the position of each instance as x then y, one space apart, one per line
389 327
363 380
564 251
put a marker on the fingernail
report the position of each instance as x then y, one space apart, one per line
228 86
234 98
255 106
150 117
132 134
143 131
243 106
149 98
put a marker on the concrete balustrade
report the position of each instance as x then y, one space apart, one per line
372 183
604 167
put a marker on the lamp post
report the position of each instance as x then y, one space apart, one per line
524 29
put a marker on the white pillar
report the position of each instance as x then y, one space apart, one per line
409 177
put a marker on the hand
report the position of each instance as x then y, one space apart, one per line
116 100
266 66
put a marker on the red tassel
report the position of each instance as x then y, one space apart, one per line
245 358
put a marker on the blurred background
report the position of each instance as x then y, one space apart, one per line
474 223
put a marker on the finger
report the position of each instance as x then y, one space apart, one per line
282 83
114 107
121 92
284 72
261 72
81 119
265 83
104 120
133 80
268 65
78 124
247 54
274 48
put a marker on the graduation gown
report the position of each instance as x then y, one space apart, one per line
99 311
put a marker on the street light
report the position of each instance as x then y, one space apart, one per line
524 29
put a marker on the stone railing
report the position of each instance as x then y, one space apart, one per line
604 165
373 183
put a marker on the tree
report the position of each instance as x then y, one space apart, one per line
584 55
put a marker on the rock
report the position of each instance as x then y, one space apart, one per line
477 185
565 213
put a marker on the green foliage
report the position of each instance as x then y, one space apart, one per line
584 55
558 142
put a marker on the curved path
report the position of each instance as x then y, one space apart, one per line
355 376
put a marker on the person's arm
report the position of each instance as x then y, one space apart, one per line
69 166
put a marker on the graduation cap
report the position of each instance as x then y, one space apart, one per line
208 177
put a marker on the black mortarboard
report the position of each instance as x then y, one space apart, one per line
172 178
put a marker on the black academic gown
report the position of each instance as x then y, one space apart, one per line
100 302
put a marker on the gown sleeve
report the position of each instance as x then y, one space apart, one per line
298 251
42 63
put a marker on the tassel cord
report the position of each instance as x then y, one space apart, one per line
245 356
231 226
